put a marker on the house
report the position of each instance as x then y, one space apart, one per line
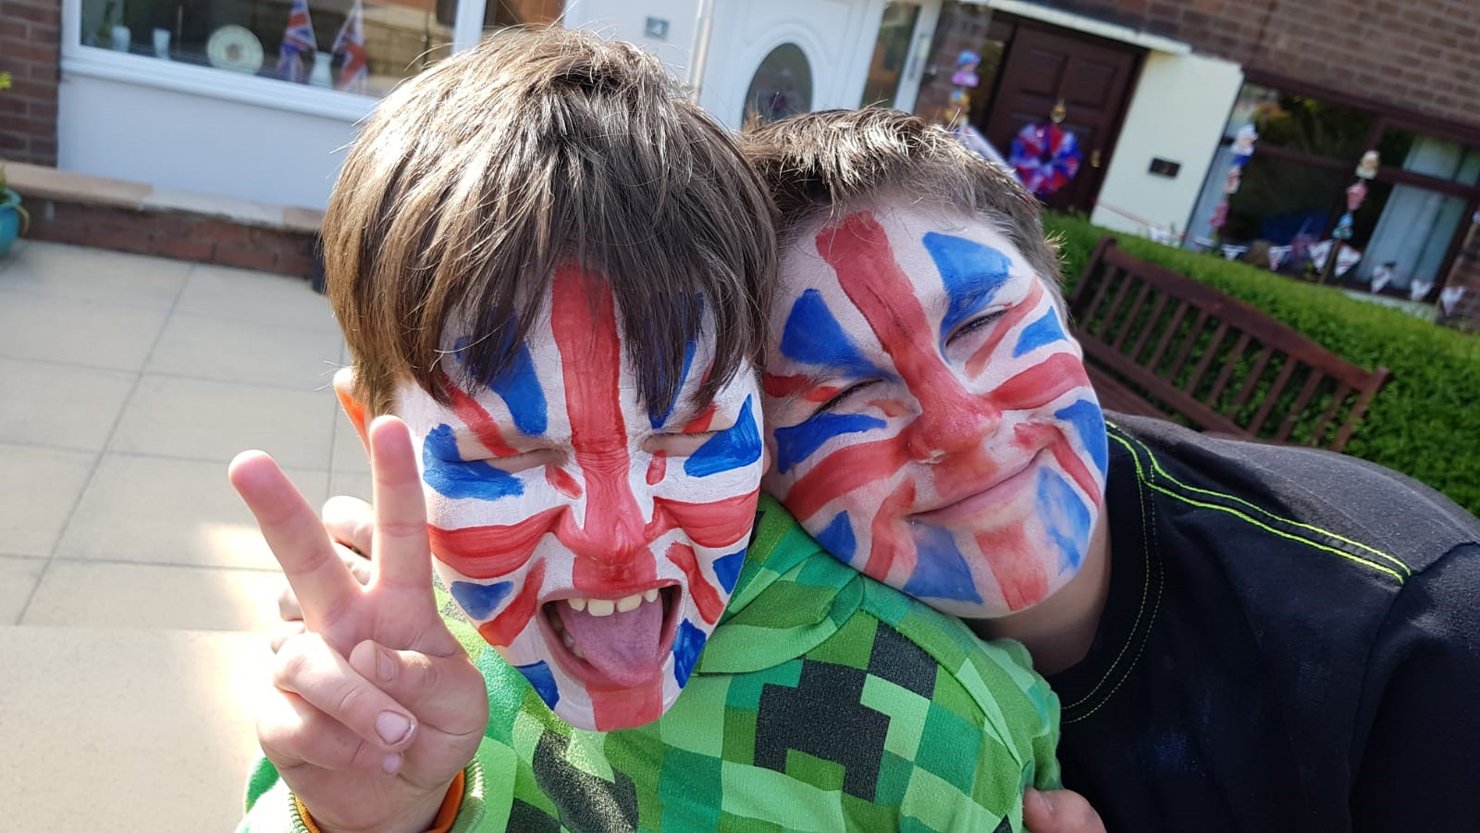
1156 94
255 100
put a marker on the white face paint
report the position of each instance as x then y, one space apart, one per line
595 540
931 416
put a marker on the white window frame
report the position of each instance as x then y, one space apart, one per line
97 62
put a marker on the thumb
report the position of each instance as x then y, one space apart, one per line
1059 811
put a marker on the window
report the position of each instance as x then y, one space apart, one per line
356 46
781 86
1293 189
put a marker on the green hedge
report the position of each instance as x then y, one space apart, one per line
1425 423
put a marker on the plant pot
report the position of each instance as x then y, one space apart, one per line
10 219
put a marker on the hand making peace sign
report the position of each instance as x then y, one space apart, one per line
376 707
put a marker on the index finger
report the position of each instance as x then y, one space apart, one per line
403 556
297 539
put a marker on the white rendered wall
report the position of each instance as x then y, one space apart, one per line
627 20
1177 114
197 143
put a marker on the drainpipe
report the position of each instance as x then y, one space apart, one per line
703 23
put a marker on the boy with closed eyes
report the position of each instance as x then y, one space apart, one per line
554 271
1244 637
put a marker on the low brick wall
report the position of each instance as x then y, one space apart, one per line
68 207
175 235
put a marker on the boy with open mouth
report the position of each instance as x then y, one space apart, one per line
554 271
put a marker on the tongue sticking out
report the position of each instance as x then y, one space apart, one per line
623 646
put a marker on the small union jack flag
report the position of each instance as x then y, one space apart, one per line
349 52
299 43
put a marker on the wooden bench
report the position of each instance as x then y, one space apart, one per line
1161 344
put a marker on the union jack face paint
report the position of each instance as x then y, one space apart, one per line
595 539
931 418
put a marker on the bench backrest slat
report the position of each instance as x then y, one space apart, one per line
1226 373
1123 305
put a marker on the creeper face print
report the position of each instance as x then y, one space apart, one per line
594 539
931 417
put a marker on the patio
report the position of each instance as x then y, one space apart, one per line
134 589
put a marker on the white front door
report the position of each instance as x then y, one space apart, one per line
777 57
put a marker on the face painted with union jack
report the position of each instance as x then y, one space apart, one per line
595 539
931 418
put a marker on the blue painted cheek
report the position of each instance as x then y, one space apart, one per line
450 476
733 448
800 441
812 336
727 569
480 600
1046 330
688 642
971 272
1089 421
838 538
543 681
940 569
520 389
1065 517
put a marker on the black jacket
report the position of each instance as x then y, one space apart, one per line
1291 643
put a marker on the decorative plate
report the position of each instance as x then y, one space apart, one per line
235 48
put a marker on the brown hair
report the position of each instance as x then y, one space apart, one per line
828 162
472 182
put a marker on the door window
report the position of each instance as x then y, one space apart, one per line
781 86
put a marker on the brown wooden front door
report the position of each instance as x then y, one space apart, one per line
1091 76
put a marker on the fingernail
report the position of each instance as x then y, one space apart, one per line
391 764
392 727
384 668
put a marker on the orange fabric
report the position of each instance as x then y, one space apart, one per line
450 805
446 814
308 821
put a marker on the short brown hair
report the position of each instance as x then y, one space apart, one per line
828 162
474 181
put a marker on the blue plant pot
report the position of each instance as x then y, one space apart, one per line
10 220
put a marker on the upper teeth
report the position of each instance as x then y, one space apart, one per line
606 607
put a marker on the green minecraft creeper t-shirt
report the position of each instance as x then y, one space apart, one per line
823 701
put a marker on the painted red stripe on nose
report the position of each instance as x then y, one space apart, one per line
610 545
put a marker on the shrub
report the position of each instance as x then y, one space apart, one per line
1425 423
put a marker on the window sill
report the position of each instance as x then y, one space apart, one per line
220 84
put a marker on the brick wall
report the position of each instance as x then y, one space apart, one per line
30 47
1421 55
172 234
